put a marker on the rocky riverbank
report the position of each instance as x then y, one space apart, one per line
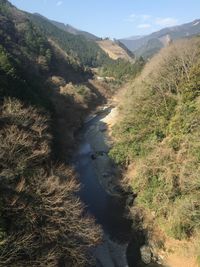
101 191
105 197
100 143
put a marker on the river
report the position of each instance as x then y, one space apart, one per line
102 199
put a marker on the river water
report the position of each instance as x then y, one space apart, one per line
92 164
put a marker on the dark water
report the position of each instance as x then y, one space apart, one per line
110 212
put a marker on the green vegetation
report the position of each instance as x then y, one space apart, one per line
87 52
121 69
42 221
159 132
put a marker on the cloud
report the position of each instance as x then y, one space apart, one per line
145 17
140 17
146 21
131 18
144 26
166 22
59 3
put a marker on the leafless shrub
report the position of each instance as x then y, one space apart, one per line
46 225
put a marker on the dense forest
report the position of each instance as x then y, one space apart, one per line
85 51
157 144
122 70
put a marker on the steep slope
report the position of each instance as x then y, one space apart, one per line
115 50
157 143
152 47
148 45
87 52
42 222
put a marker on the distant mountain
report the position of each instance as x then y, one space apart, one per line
148 45
70 29
135 37
115 49
86 51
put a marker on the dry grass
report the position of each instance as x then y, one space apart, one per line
158 138
114 50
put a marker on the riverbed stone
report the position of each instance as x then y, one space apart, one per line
146 254
102 127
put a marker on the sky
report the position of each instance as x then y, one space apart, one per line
115 18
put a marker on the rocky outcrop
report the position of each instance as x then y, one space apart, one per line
146 255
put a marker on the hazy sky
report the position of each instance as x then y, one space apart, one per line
115 18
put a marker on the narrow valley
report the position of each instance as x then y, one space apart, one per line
99 136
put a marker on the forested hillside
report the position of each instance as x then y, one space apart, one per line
42 222
122 70
85 51
157 142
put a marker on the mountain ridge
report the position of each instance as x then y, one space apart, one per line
86 51
70 29
115 49
148 45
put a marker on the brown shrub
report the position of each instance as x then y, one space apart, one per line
45 221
